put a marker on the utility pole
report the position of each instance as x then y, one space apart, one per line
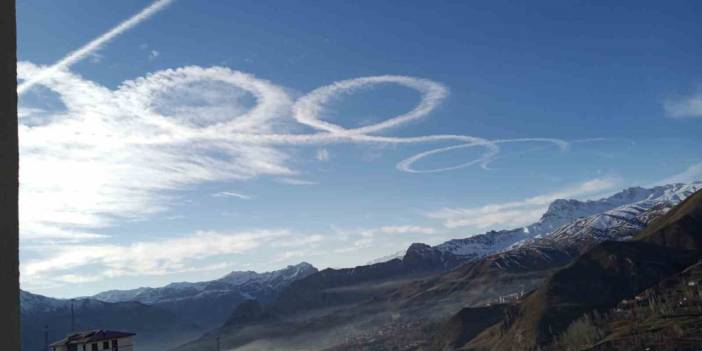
73 318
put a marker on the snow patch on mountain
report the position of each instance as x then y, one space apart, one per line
247 283
619 223
400 254
621 206
34 303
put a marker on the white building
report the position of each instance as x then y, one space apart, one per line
95 340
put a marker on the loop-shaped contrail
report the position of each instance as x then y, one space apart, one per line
308 108
272 102
255 126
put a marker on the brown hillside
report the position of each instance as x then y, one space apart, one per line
599 279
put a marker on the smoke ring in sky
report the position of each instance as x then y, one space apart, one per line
271 100
406 164
307 108
253 126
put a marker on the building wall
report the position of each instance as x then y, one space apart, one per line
9 231
124 344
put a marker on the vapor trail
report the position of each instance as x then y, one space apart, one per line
93 45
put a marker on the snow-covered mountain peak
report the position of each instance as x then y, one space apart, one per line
620 223
245 282
562 212
238 277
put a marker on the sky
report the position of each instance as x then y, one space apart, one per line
179 140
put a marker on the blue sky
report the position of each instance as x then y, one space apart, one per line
171 176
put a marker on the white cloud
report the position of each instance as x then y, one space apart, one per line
171 255
96 57
404 229
290 254
692 174
75 279
123 153
114 153
322 155
232 194
93 45
343 250
307 240
363 242
295 181
688 107
517 213
37 230
119 154
109 155
295 254
24 112
366 237
385 230
154 54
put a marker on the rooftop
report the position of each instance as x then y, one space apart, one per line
91 336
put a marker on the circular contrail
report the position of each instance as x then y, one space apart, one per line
272 102
139 98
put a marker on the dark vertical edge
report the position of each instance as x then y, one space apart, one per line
9 164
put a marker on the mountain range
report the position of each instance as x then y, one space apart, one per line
425 297
359 308
598 280
161 317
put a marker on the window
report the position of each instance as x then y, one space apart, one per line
105 345
94 347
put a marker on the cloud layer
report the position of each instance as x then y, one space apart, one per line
94 45
117 153
517 213
110 155
167 256
687 107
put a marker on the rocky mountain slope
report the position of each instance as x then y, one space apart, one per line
325 300
249 284
331 287
599 279
629 203
528 261
664 317
400 302
380 306
202 303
